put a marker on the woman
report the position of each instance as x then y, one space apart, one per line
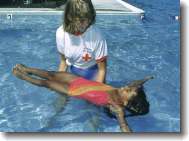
82 48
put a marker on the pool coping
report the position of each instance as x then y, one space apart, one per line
61 12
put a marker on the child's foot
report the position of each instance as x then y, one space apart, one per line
21 68
18 73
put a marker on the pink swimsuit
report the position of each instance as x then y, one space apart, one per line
94 92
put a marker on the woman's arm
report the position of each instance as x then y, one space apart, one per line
63 65
101 72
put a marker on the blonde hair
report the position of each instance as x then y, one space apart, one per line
76 10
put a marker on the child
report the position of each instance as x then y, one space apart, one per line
131 96
82 48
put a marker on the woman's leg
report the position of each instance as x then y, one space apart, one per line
53 85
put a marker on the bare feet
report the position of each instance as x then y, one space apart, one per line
19 71
21 67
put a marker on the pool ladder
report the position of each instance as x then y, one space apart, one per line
142 16
9 16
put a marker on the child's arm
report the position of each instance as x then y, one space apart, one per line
122 122
120 117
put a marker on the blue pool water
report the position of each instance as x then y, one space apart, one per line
136 49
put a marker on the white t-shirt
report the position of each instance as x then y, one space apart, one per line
82 51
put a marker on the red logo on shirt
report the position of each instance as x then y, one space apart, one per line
86 57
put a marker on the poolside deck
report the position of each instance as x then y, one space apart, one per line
113 6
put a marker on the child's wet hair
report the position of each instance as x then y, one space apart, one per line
138 105
75 11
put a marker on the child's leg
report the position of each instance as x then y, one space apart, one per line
38 72
53 85
50 75
24 76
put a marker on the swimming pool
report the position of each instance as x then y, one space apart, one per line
136 49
